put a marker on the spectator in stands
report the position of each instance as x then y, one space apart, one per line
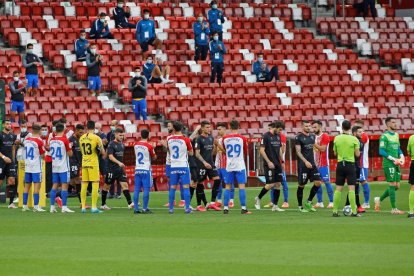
216 20
156 72
201 32
145 34
81 46
18 90
100 28
111 135
371 4
138 87
94 63
30 62
217 50
121 16
261 70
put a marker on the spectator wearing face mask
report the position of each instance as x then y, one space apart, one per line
201 33
18 90
110 136
94 63
31 61
138 87
100 28
81 46
216 20
145 34
156 72
261 70
121 16
217 50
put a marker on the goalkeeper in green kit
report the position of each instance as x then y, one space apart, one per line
393 158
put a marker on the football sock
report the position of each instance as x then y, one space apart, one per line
171 198
36 199
392 196
181 193
285 191
276 195
64 197
127 196
411 201
187 197
191 192
52 197
104 195
242 196
25 198
358 203
13 193
313 192
329 190
201 196
145 198
83 192
95 188
299 195
226 197
220 191
367 191
336 201
385 194
232 192
137 189
262 192
215 190
319 194
351 195
272 195
79 189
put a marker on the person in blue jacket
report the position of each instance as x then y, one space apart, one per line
100 28
217 50
121 16
81 46
262 72
145 34
216 20
201 32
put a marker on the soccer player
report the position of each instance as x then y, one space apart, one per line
410 150
235 146
365 165
307 169
220 164
7 160
144 154
90 145
393 158
115 170
271 151
346 148
75 160
321 150
205 145
179 148
60 150
34 150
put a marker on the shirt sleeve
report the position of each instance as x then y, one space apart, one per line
41 147
297 141
197 143
264 141
325 140
151 150
245 145
283 138
67 145
364 138
111 148
188 143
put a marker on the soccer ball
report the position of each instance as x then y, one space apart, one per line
347 211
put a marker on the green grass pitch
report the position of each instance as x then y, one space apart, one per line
118 242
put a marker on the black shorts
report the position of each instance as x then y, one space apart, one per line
7 170
358 175
74 171
144 45
118 175
203 173
273 175
345 171
194 174
155 80
305 174
411 176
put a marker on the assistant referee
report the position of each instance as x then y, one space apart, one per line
346 148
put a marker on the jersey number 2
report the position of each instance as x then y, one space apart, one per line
236 149
140 158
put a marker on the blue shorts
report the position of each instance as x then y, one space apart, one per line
222 174
180 176
30 178
17 106
142 179
240 176
32 81
325 176
168 170
61 178
94 83
364 175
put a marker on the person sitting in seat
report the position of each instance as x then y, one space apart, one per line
261 70
100 28
156 72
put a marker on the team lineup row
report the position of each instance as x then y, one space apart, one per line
190 161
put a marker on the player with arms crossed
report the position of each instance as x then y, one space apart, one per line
60 151
144 154
235 146
271 151
34 152
307 169
179 148
90 145
365 165
321 149
393 158
115 169
410 150
346 148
